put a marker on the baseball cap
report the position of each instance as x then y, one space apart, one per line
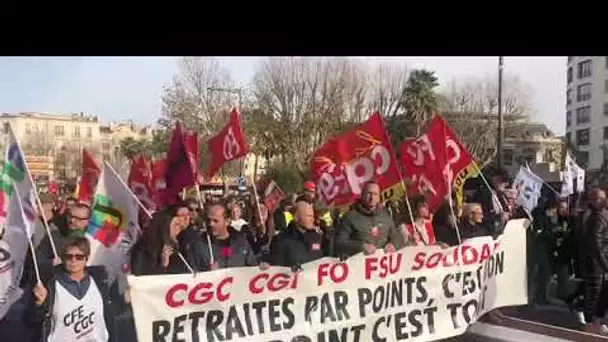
310 186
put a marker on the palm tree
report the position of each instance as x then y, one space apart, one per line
419 98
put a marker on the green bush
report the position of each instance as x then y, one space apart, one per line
288 177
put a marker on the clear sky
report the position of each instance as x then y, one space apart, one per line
119 88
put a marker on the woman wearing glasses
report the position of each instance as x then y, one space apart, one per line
74 304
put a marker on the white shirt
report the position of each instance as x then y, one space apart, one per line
238 224
78 320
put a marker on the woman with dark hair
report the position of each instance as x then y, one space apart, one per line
259 232
157 250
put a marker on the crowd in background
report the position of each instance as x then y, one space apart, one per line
232 231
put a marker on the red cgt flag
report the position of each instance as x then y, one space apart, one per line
89 177
140 181
433 161
229 144
182 160
343 164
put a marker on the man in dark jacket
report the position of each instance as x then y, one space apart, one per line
367 226
302 242
596 261
223 247
73 303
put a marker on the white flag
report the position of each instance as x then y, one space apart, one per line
528 187
15 171
13 250
571 172
113 228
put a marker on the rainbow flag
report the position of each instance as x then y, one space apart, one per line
113 227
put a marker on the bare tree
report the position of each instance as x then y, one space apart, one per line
471 108
386 84
310 99
39 143
191 97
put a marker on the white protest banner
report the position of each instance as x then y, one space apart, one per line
418 294
528 186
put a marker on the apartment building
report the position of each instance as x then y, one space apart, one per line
587 108
62 137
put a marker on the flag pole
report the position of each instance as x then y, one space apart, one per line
139 203
200 204
38 202
143 207
29 238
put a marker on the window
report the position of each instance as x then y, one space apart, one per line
568 96
605 86
606 108
584 69
89 132
6 127
568 137
507 156
583 115
568 118
105 146
28 128
77 131
606 133
569 76
582 137
59 130
583 92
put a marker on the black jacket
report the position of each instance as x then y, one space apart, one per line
257 241
295 246
469 231
597 242
40 316
360 226
147 261
232 252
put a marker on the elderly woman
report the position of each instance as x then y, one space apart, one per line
472 224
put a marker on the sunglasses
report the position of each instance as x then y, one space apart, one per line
79 257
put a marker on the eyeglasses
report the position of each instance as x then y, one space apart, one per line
79 218
79 257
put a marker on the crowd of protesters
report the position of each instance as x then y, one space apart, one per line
239 231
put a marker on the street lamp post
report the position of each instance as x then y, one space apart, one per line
500 137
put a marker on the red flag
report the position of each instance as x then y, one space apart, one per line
272 196
182 161
89 177
140 181
343 164
159 168
432 160
229 144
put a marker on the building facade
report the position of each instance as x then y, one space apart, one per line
62 138
587 108
535 145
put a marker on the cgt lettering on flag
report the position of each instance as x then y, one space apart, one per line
344 164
